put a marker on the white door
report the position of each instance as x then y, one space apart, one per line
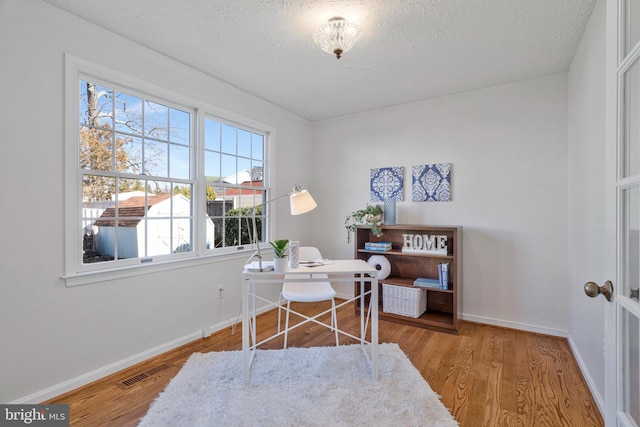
622 326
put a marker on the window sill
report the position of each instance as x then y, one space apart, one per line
90 277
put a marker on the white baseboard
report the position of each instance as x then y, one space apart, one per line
84 379
515 325
89 377
585 373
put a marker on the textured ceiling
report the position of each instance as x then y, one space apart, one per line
409 50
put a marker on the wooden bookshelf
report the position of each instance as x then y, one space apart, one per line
443 305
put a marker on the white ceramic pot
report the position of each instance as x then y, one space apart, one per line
280 264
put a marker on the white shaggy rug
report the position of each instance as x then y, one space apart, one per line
319 386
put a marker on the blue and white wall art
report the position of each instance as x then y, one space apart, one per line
432 183
387 183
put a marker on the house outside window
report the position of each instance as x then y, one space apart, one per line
156 176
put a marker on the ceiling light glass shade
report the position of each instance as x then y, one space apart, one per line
337 36
301 202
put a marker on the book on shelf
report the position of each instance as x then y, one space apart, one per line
366 248
377 246
422 282
443 275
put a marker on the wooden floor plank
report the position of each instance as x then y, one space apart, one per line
486 376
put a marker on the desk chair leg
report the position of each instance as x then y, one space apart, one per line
279 310
334 319
286 324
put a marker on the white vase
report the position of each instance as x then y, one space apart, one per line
280 264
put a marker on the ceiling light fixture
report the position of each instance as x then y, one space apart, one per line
337 36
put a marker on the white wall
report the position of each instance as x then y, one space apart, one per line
51 334
508 149
586 230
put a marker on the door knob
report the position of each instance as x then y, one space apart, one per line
593 290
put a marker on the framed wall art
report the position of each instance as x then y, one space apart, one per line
387 183
431 183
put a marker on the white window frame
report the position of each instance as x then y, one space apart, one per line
79 273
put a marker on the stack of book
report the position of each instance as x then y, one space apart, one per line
422 282
442 282
377 246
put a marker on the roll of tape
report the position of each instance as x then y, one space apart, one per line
381 264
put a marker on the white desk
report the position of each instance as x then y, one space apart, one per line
348 271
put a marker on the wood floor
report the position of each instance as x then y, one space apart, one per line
486 376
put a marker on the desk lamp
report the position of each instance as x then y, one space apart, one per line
300 202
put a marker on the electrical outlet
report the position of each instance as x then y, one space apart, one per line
220 293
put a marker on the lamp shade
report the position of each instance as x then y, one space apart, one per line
301 202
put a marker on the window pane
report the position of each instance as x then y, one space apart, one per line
96 105
159 187
244 165
239 226
97 199
211 135
257 144
182 201
257 170
631 364
129 154
631 130
228 139
96 149
179 156
244 143
182 235
250 202
159 240
229 167
179 126
632 24
155 158
128 113
156 120
97 188
631 246
217 207
128 186
212 166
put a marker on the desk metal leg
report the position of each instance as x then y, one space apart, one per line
363 329
245 330
374 328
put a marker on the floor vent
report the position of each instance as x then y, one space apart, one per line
142 376
157 369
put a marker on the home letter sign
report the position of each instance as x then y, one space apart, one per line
423 243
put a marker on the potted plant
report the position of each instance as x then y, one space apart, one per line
371 216
280 259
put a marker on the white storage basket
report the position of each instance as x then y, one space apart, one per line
402 300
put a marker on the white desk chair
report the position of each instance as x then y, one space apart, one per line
308 292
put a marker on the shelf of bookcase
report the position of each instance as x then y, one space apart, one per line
408 282
430 319
443 305
409 254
